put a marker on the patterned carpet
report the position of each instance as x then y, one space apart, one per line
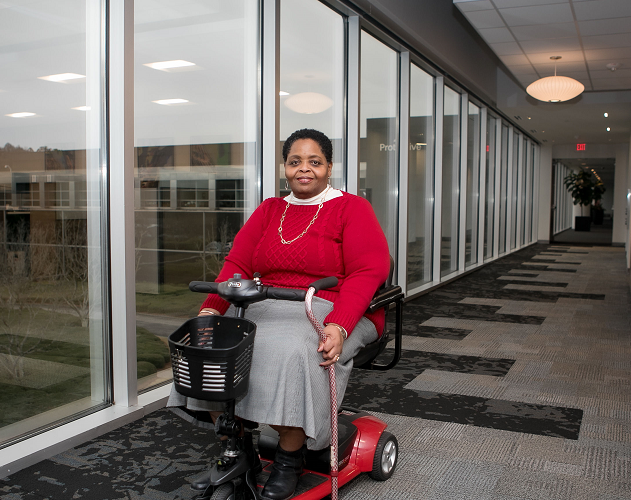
514 385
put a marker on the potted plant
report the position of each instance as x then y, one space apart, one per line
581 187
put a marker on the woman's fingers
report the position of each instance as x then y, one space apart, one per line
331 348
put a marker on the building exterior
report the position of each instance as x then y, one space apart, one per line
138 136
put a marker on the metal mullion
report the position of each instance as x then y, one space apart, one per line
353 103
509 187
482 185
498 188
518 192
528 194
462 191
438 176
404 153
270 100
535 190
122 240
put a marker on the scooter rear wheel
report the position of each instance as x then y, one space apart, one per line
223 492
386 455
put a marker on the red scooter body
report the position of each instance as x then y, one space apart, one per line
315 485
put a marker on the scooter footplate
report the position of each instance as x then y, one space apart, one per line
307 481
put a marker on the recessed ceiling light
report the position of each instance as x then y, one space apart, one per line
282 92
164 65
20 115
168 102
608 129
606 115
61 77
83 108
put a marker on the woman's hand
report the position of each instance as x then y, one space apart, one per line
331 349
209 311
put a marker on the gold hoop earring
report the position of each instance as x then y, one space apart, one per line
286 186
329 180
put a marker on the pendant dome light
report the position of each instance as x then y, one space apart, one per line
555 88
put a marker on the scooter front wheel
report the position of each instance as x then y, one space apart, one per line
223 492
386 455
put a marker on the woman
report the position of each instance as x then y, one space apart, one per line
315 232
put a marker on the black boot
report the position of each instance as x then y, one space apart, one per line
286 470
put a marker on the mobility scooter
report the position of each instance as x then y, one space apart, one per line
211 357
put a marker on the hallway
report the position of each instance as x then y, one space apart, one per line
514 384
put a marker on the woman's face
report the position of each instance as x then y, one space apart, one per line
306 169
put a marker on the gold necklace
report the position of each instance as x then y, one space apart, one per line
280 227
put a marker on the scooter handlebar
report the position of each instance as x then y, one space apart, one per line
324 283
286 294
203 286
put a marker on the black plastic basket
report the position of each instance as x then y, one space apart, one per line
211 357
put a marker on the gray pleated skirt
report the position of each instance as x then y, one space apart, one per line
287 384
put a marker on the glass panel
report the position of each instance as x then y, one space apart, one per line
451 183
420 179
52 339
489 207
378 132
473 185
312 77
524 179
514 191
503 190
196 175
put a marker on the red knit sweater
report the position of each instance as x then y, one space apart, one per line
345 241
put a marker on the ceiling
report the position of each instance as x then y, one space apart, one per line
591 36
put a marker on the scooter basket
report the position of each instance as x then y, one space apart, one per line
211 357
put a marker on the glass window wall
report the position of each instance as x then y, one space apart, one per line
489 205
52 336
514 191
196 124
420 179
379 111
473 185
451 182
312 79
503 190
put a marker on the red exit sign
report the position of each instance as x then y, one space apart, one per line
580 147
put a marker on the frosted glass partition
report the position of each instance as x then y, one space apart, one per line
503 190
514 188
312 77
451 182
196 129
378 132
473 185
489 206
53 354
420 179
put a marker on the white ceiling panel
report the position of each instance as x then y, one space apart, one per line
504 4
547 68
601 64
607 41
520 70
542 14
551 47
506 49
539 31
496 35
605 26
485 19
611 54
602 9
605 74
516 59
544 58
472 5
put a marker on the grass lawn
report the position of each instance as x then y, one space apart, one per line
56 339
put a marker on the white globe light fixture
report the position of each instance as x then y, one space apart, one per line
555 88
309 103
